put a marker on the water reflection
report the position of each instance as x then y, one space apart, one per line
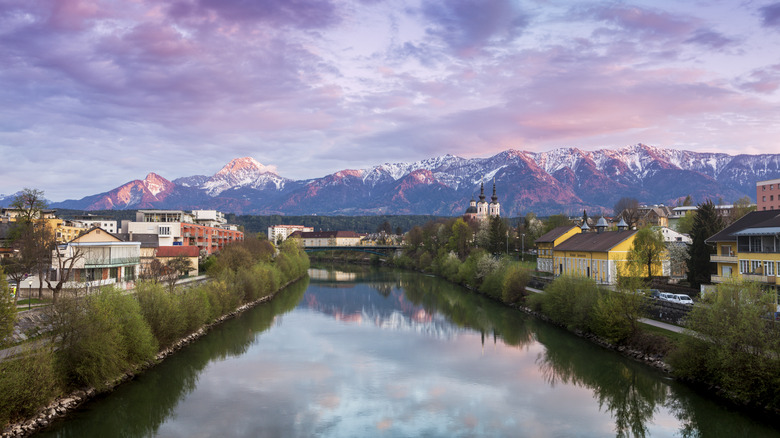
385 353
129 412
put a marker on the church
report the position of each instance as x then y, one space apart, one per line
481 210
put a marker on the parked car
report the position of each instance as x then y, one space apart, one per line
655 294
667 297
684 299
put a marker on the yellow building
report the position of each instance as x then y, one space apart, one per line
597 254
546 242
749 249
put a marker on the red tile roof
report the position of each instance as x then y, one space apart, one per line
175 251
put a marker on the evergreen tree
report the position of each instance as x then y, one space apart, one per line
497 240
706 223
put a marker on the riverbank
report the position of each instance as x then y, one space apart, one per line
65 404
101 340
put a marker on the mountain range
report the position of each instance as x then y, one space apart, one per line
563 180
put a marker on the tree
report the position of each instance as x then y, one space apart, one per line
385 227
743 206
66 260
555 221
177 266
7 310
29 202
628 209
685 224
706 223
497 235
733 346
647 250
460 240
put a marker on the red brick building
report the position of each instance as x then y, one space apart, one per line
768 195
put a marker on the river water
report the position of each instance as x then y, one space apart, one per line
397 354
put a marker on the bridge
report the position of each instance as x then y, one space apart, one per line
380 250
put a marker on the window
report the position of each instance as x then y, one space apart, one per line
743 267
771 197
769 268
755 266
763 198
726 271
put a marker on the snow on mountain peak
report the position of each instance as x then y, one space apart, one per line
156 184
243 172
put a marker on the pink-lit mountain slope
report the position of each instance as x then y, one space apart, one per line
558 181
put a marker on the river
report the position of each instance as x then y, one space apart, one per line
362 352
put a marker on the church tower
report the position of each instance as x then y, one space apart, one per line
482 205
495 206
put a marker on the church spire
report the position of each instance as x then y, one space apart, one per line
494 198
482 191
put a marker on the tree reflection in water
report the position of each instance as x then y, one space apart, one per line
141 412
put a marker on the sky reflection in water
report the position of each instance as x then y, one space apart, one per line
406 355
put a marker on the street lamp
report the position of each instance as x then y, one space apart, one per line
29 293
522 250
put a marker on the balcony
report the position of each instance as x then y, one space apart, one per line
720 279
723 258
756 277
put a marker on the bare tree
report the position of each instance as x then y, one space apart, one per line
29 202
65 259
628 208
177 266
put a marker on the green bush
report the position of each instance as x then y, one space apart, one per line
97 339
162 311
615 316
515 280
492 271
7 311
195 307
735 347
26 383
570 300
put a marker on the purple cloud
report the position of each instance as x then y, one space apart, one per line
709 38
305 14
467 26
770 15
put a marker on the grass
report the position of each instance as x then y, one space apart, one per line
26 301
673 337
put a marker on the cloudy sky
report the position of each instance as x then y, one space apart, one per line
95 93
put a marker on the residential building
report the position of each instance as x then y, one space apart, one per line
191 253
179 228
88 221
210 218
13 213
597 255
672 236
328 238
749 249
768 195
149 245
654 216
100 258
277 233
548 240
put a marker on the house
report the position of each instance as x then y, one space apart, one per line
277 233
98 258
749 249
328 238
596 255
655 216
149 245
768 195
167 253
548 240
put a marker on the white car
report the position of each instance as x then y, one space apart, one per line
667 297
683 299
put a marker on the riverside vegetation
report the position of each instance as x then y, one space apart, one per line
98 338
730 345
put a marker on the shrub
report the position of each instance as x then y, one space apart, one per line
515 280
195 307
161 310
570 300
99 338
615 316
26 383
492 271
7 311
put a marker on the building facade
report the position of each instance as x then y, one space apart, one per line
547 241
328 238
277 233
768 195
749 249
482 210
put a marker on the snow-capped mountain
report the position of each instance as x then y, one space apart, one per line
559 181
243 172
